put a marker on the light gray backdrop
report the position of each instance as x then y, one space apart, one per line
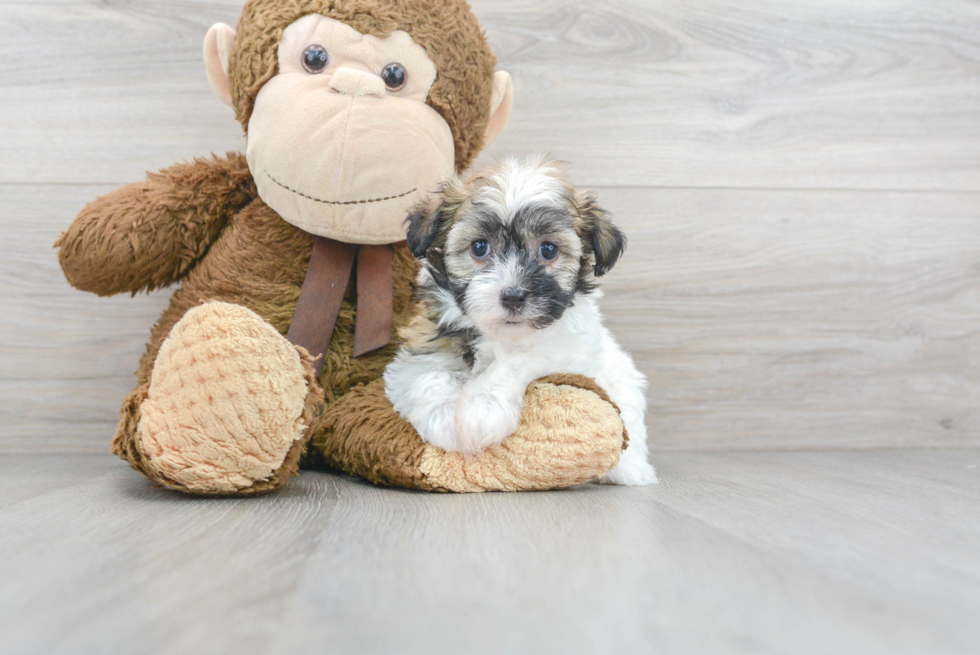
800 183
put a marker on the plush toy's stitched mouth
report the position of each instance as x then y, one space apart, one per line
338 202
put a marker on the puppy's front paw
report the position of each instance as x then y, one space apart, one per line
439 427
484 420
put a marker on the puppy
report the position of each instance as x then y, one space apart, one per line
507 294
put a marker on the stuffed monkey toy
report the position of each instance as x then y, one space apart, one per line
293 270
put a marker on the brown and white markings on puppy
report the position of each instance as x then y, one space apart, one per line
509 249
424 335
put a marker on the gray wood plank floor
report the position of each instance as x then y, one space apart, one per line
761 552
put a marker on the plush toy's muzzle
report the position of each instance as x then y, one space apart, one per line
333 149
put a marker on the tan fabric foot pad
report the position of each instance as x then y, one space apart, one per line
227 404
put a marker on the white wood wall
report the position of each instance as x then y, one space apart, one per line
800 182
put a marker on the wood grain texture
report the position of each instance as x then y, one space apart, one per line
768 319
799 184
779 93
763 319
810 552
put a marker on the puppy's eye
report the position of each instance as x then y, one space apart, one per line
394 76
315 59
548 251
480 248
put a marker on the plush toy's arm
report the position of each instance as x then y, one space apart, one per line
150 234
569 433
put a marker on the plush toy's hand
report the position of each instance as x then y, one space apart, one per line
150 234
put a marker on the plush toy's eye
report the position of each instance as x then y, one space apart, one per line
394 76
548 251
480 248
315 59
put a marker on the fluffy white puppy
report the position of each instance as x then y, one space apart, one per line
507 294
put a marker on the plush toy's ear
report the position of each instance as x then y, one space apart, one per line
608 242
501 103
218 45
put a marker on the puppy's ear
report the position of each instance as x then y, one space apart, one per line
423 226
431 219
607 241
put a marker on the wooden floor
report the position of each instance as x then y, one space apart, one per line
752 552
800 184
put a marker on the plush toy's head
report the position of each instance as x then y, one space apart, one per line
355 108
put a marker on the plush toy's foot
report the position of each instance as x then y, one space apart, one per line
226 408
569 434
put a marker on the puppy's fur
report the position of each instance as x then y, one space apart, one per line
507 294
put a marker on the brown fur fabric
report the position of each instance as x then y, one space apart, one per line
447 30
150 234
391 457
252 258
259 261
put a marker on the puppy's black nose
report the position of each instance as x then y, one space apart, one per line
513 298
